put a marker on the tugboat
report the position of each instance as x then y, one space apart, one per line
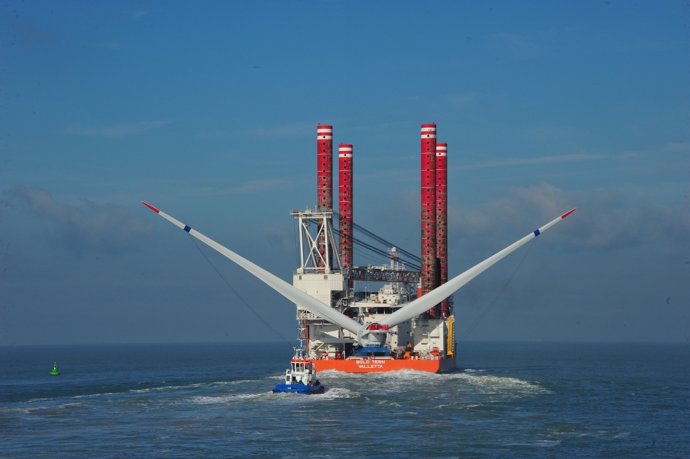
55 371
300 378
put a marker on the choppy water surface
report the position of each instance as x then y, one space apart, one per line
521 400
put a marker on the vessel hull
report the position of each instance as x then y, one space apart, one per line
383 365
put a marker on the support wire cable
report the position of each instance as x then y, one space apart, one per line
483 310
237 294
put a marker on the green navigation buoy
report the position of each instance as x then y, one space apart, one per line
55 371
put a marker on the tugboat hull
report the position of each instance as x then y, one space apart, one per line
299 389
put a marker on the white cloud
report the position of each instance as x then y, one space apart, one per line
86 225
605 219
678 147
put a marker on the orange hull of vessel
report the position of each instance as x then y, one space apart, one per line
382 365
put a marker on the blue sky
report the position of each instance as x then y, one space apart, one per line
209 112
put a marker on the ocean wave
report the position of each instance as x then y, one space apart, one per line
339 392
492 383
479 379
40 409
147 390
223 399
167 388
331 393
194 386
543 443
605 434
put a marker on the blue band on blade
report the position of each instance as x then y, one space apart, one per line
187 228
537 232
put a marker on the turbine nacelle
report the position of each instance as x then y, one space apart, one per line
373 335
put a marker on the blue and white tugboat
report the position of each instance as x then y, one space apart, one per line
300 378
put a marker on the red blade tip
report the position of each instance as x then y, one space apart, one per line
150 207
568 213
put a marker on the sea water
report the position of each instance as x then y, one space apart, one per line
215 400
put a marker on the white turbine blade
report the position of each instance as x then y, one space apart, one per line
290 292
442 292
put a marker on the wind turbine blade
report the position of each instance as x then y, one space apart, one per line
290 292
442 292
